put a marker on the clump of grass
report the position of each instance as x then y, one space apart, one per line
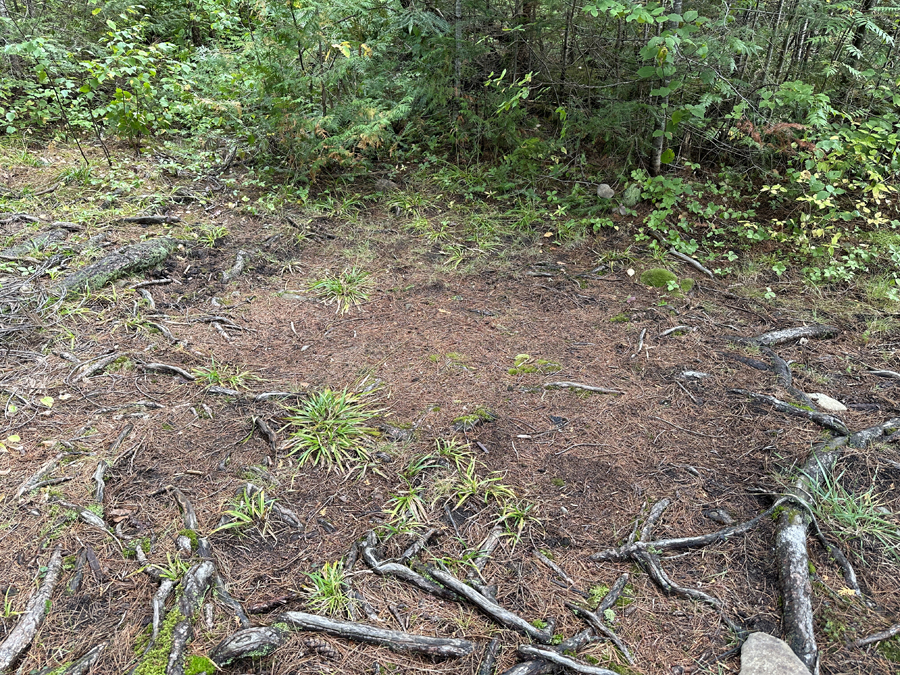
330 428
325 594
248 510
218 374
348 289
859 518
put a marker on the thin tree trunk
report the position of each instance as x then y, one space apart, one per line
659 141
772 40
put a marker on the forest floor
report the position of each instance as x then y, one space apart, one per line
570 470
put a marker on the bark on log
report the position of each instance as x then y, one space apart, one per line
358 632
256 642
135 258
20 637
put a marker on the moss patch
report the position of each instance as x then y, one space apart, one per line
658 278
890 649
199 665
192 535
523 364
155 661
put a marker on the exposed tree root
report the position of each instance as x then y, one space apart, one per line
777 337
29 484
20 637
489 659
822 419
893 631
396 640
238 267
558 659
255 642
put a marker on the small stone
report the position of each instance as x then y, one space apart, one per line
827 403
763 654
719 515
385 185
605 192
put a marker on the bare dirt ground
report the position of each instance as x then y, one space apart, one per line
440 344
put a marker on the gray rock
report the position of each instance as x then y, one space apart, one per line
605 192
828 404
763 654
385 185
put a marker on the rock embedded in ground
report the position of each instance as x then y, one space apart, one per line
604 191
763 654
828 404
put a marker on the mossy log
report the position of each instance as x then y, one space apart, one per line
135 258
38 242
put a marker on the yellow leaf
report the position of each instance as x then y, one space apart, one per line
15 438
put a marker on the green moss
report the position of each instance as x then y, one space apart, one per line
658 278
155 661
478 416
540 624
192 535
130 550
282 626
687 285
890 649
199 665
558 482
620 318
523 364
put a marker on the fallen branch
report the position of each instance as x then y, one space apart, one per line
151 220
690 261
404 642
586 387
884 373
20 637
675 330
29 484
95 367
568 646
822 419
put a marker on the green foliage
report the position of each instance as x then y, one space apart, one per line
248 510
330 429
348 289
218 374
325 594
658 278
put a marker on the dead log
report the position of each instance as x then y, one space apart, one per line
827 421
253 642
20 637
358 632
129 260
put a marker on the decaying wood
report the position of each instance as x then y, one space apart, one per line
74 584
822 419
674 329
126 431
256 642
28 485
489 659
188 515
129 260
560 572
20 637
502 616
266 431
181 635
396 640
613 594
747 361
166 369
560 660
893 631
578 385
778 337
89 518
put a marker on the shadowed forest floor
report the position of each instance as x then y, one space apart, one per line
433 347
